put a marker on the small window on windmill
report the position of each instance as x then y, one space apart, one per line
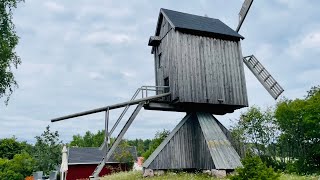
159 60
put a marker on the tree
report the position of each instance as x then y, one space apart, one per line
140 144
257 131
88 140
253 168
257 128
159 137
20 166
8 41
299 121
9 147
47 150
123 155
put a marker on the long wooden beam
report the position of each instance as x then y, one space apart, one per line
115 106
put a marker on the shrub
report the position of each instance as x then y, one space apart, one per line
253 168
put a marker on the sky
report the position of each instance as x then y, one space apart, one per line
80 55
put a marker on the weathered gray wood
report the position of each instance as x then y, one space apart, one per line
201 69
243 12
270 84
117 141
115 106
201 144
188 140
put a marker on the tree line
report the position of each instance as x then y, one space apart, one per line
144 146
285 136
20 159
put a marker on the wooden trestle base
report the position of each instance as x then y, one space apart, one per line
198 142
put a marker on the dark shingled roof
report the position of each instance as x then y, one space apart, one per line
90 155
198 24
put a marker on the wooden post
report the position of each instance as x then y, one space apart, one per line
106 130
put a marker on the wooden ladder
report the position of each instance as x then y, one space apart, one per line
269 83
110 151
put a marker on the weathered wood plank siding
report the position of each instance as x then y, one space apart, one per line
201 69
193 150
199 141
223 154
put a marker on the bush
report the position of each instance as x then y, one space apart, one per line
253 168
274 163
17 168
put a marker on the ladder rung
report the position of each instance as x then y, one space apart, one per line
267 78
261 71
269 83
272 86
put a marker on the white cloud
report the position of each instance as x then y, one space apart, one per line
95 76
107 37
104 9
311 76
307 43
265 51
89 54
54 6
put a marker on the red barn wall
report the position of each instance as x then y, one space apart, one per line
83 171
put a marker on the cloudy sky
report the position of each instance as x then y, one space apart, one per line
80 55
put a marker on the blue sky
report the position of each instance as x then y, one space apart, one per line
79 55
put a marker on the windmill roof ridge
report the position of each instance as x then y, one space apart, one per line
191 23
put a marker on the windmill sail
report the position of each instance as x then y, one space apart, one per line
271 85
243 12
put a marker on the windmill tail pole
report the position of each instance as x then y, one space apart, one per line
115 106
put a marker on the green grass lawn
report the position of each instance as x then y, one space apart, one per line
189 176
296 177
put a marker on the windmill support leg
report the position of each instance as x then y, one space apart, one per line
198 142
117 141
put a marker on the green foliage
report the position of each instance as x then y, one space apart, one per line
254 169
258 128
257 131
142 145
10 175
9 147
286 139
188 176
159 137
17 168
299 121
88 140
168 176
8 41
96 139
124 155
47 151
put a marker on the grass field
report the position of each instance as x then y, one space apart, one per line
190 176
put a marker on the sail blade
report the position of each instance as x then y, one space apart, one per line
243 12
269 83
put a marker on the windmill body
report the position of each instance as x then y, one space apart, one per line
199 69
200 59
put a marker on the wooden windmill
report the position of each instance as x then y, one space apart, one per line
198 70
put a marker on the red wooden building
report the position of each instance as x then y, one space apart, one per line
83 161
